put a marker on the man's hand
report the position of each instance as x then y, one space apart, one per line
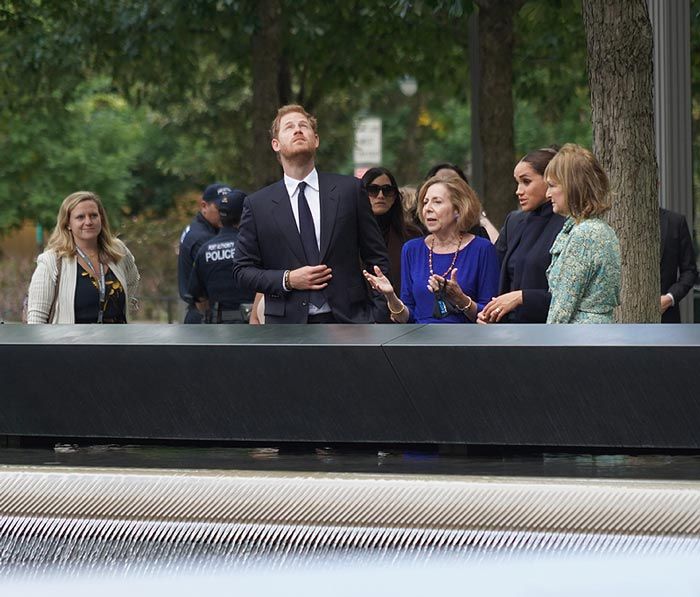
310 277
666 303
254 319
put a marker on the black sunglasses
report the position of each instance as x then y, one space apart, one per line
386 189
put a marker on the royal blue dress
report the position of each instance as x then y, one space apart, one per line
477 273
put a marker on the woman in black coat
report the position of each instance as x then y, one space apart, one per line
523 247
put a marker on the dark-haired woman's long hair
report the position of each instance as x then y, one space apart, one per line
394 218
395 229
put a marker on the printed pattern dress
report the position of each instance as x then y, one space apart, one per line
87 299
584 276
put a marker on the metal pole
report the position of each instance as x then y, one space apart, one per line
670 21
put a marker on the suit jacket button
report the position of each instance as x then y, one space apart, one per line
304 304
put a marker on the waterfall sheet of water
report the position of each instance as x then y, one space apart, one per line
121 522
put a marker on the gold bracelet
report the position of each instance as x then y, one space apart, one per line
401 310
467 306
287 283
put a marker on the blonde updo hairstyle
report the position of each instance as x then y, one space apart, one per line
584 183
462 197
61 240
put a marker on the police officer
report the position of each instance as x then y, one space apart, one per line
202 228
211 283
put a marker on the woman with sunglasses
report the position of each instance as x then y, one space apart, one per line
385 199
450 274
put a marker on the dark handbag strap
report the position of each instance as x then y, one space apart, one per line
52 310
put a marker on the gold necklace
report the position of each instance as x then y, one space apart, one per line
454 257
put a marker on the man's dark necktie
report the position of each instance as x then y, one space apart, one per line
308 241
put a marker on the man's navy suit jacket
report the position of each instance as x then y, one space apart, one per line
678 268
269 243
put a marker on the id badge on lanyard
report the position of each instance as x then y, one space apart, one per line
101 285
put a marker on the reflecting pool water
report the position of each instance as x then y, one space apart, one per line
353 459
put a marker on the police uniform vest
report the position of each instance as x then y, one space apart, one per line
212 275
192 238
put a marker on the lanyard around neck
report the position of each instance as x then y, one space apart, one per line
102 286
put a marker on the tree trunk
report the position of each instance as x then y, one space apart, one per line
408 163
496 106
284 81
620 73
266 51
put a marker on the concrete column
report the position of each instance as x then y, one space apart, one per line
670 21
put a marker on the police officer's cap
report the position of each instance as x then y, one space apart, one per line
231 204
214 191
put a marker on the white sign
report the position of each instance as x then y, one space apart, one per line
368 141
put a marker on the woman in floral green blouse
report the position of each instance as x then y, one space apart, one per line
584 276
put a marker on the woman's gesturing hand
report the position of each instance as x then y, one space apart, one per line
498 307
453 291
379 281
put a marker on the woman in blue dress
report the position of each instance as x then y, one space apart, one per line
584 276
450 274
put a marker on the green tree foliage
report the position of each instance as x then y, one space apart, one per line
92 143
549 86
190 64
549 76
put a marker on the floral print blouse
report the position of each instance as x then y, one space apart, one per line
584 276
87 299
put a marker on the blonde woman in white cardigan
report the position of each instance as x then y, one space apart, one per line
98 276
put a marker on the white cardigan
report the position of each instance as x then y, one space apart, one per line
43 286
